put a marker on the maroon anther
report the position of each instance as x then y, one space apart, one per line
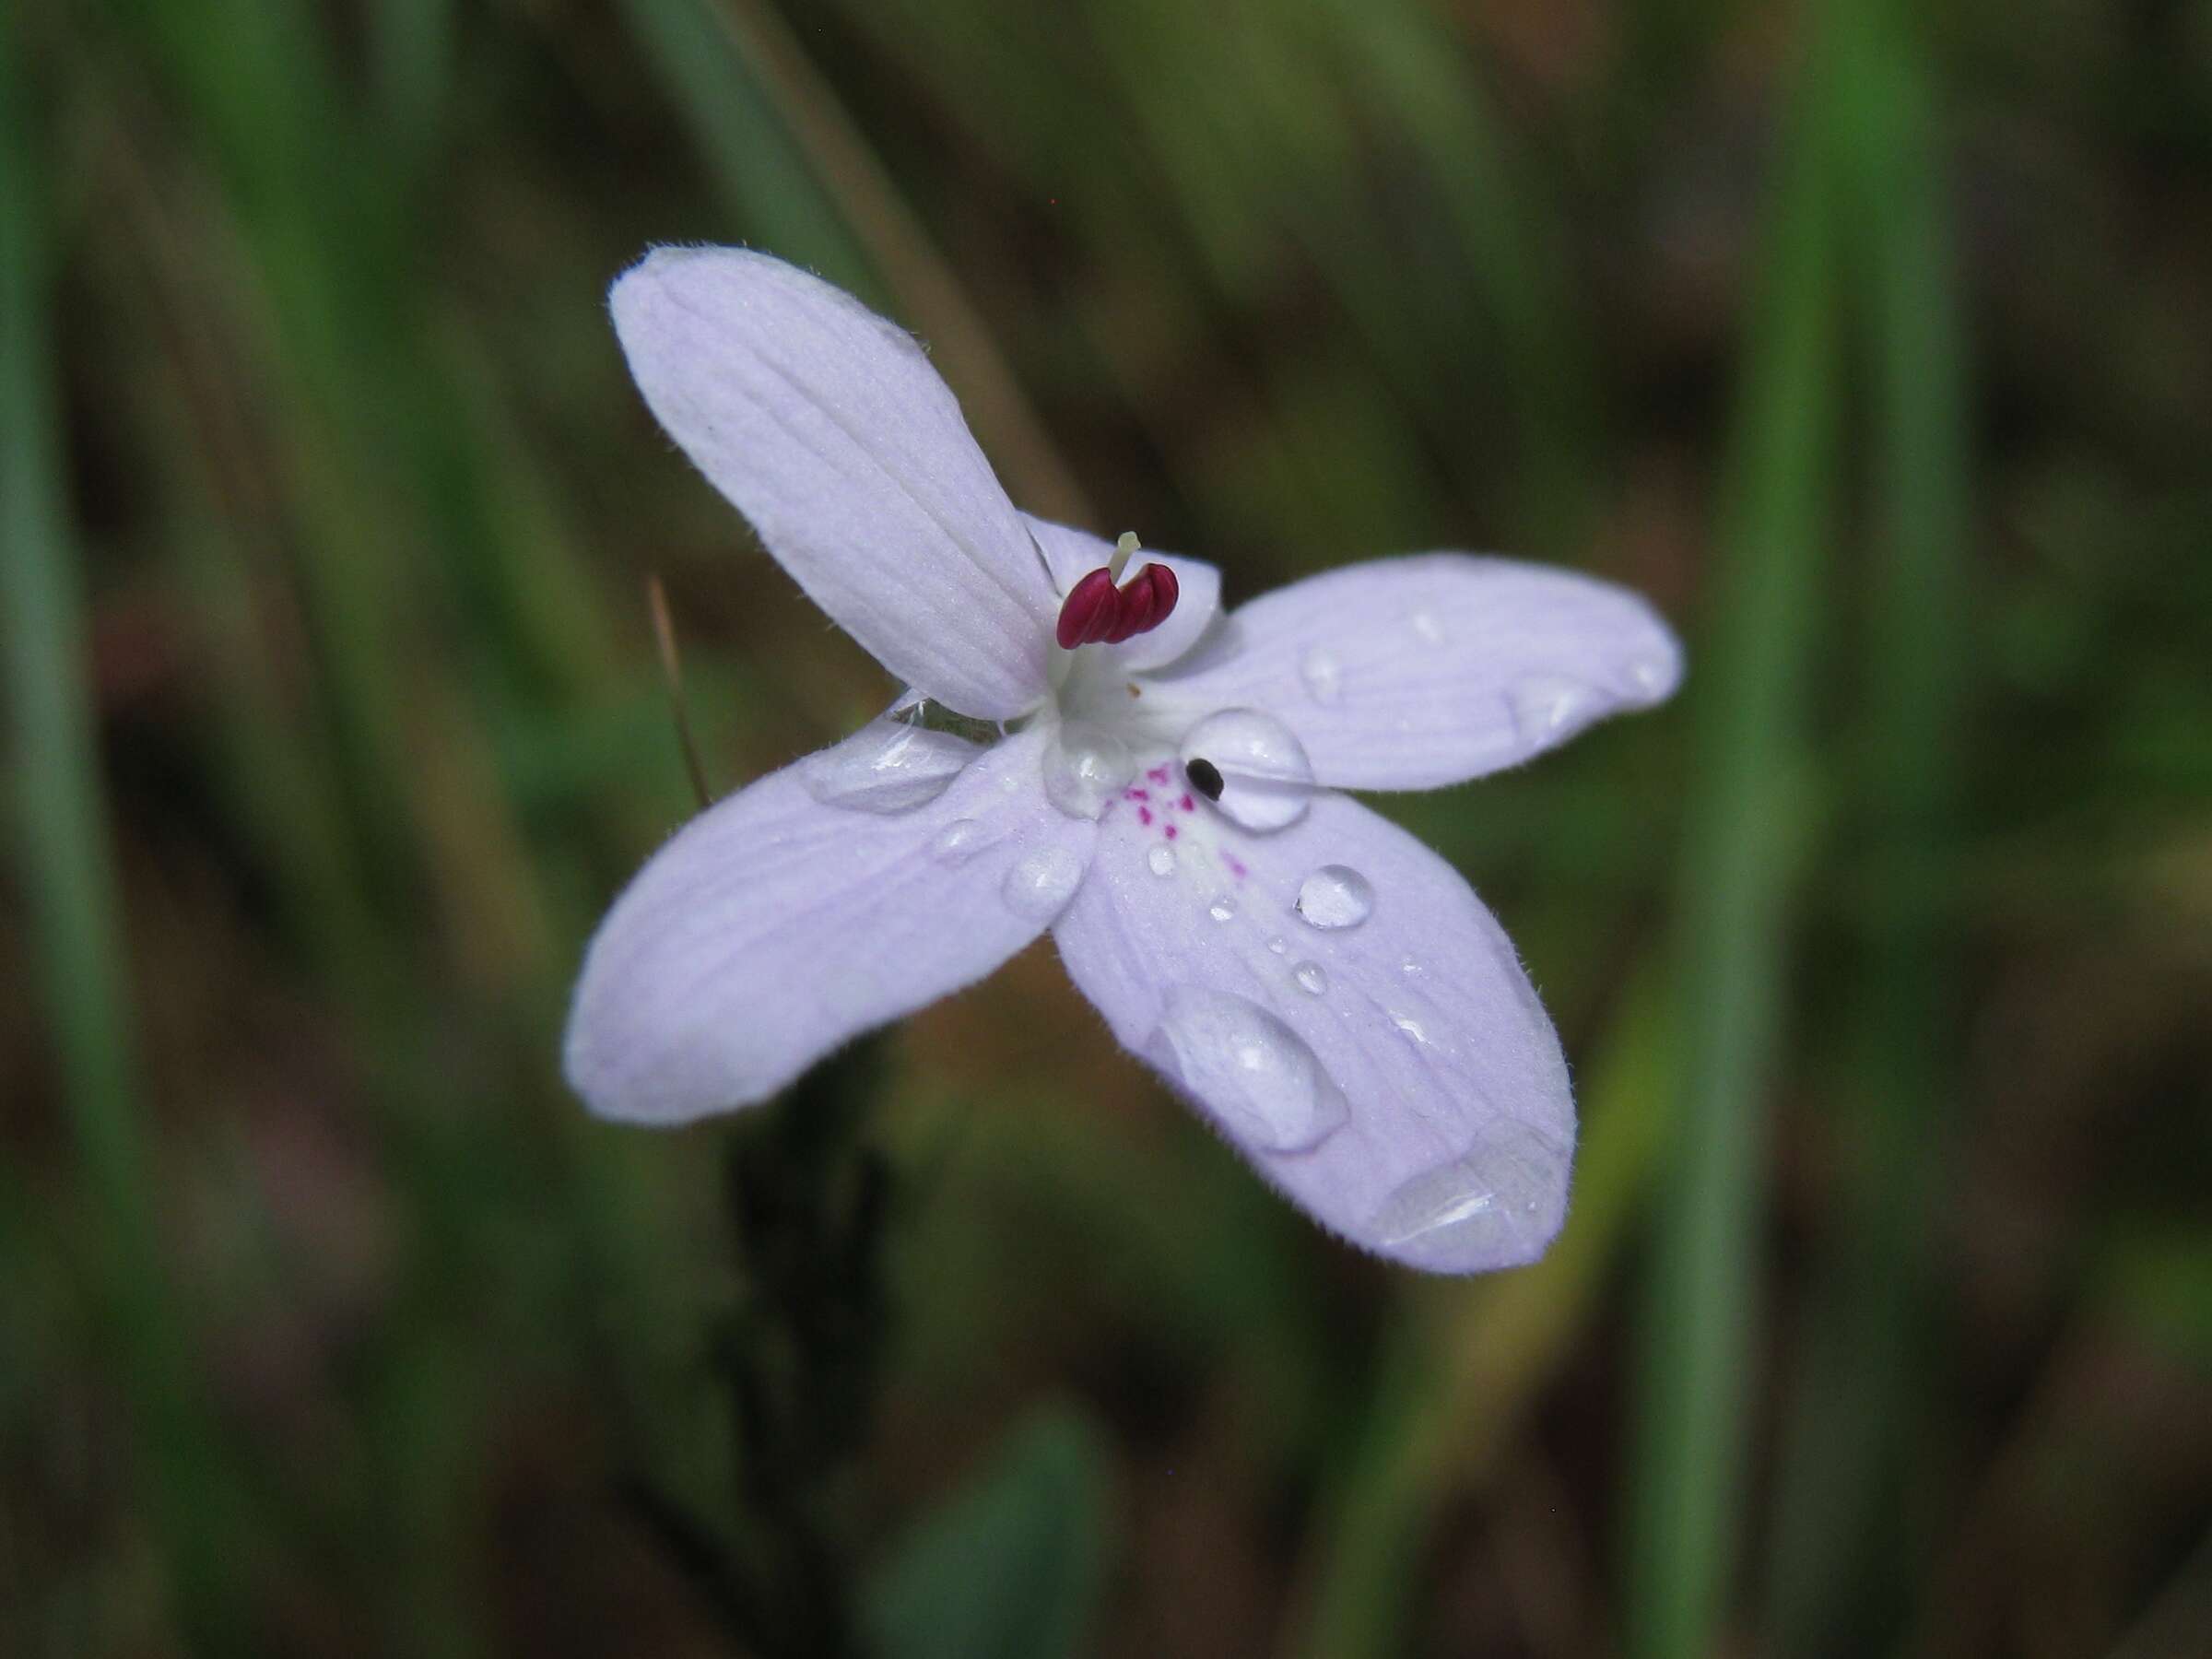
1096 613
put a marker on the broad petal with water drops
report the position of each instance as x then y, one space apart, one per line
1337 1002
825 426
1072 554
1416 672
812 906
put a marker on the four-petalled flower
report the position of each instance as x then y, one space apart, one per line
1326 991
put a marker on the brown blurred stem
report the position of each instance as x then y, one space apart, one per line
672 676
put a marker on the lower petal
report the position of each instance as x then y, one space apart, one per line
1337 1002
776 927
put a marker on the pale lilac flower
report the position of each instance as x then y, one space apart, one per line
1328 993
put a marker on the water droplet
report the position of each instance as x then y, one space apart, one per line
1322 674
1498 1202
1221 910
1039 886
1408 967
887 767
1336 896
1427 628
1310 979
958 841
1652 675
1267 781
1249 1068
1278 945
1546 708
1411 1026
1085 766
1162 860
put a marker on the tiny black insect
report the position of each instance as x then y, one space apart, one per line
1205 778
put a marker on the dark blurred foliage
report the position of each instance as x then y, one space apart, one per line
1874 342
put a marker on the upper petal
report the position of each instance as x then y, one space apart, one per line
1415 672
825 426
1073 554
774 928
1339 1004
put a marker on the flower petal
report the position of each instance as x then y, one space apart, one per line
1073 554
1411 673
774 928
825 426
1339 1003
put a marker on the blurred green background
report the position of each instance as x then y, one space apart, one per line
1874 342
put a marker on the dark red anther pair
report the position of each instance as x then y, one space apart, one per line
1097 613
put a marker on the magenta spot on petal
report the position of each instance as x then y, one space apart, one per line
1187 804
1159 774
1144 815
1236 867
1171 833
1140 794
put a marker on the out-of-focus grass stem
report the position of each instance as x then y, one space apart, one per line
63 841
1837 1555
776 135
412 42
1743 833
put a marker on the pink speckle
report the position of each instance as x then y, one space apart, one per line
1159 774
1187 804
1236 867
1140 794
1144 815
1171 833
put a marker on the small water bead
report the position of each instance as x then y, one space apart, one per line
1310 979
1411 1026
958 841
1336 896
1267 781
1162 861
886 767
1085 766
1323 674
1039 886
1652 675
1222 909
1546 707
1249 1067
1278 945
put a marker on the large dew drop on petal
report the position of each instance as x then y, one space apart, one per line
1085 766
887 766
1500 1200
1267 781
1238 1058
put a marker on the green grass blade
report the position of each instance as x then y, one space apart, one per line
69 874
1838 1557
1743 830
